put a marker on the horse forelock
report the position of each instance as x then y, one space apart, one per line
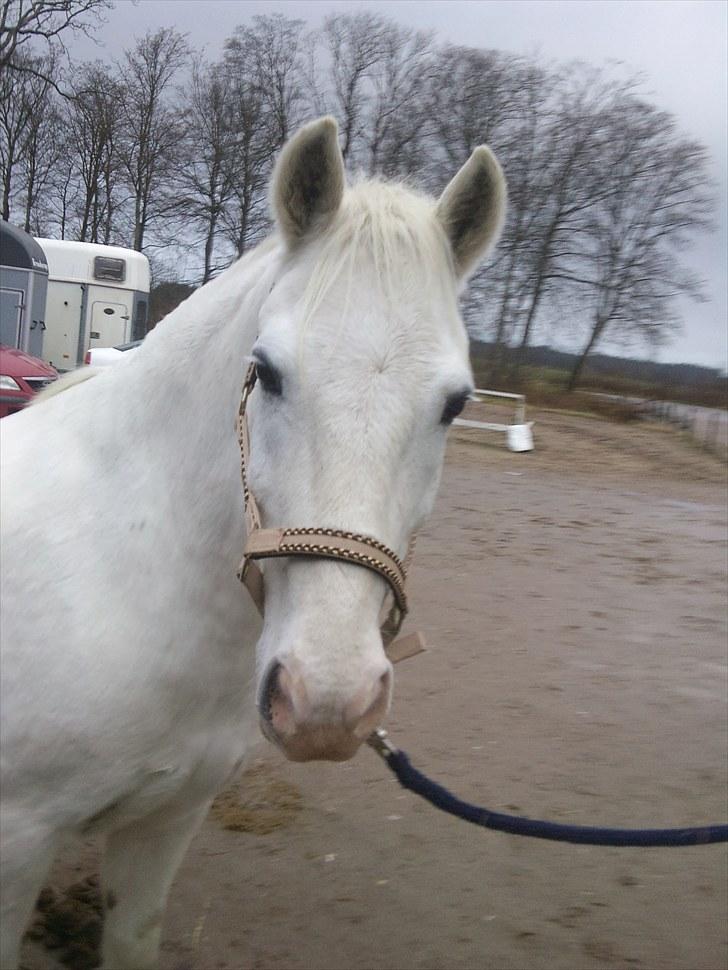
390 228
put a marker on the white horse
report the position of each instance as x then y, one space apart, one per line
134 661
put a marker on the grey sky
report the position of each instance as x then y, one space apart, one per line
680 46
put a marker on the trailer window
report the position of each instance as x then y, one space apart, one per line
108 268
140 320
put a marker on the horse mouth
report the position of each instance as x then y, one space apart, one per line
317 743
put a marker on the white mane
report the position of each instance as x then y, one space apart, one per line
64 383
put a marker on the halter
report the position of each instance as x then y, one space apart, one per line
320 543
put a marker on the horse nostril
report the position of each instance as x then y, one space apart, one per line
291 715
268 692
365 711
282 701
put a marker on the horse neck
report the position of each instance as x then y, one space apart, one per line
182 392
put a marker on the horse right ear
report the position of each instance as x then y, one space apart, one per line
308 181
472 210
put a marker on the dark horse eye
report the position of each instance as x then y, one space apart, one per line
453 406
268 376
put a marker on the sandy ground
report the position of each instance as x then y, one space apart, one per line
575 603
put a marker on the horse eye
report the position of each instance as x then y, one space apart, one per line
270 379
453 406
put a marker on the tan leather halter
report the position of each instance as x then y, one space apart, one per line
320 543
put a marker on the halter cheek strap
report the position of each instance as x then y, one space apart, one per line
320 543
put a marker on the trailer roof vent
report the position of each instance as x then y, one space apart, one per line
108 268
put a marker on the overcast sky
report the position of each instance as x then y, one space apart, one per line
680 46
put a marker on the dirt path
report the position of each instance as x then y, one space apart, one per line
575 601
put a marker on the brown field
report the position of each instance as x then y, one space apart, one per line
575 603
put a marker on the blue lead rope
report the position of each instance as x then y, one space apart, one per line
412 779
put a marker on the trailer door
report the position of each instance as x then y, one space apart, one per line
109 324
11 307
63 322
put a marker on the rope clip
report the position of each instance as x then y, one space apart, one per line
379 740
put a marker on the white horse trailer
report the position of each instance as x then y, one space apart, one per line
98 296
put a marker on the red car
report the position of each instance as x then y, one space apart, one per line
21 376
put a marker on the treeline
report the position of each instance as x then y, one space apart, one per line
164 148
602 369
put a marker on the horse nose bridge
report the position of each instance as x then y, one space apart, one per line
324 601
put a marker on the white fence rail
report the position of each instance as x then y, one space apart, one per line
519 434
709 426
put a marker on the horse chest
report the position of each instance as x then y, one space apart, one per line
185 764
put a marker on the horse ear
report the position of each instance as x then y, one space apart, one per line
308 181
472 209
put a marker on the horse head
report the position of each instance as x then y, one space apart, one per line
362 363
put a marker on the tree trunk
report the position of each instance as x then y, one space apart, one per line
244 215
29 201
109 220
138 223
496 360
503 318
520 352
85 218
581 359
541 270
209 244
6 196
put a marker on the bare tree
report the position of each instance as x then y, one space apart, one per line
61 193
248 166
92 119
490 97
629 271
353 46
398 112
151 126
23 95
264 77
266 102
42 154
27 25
373 74
565 183
529 155
270 55
475 99
205 175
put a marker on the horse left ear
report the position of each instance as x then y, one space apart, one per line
472 209
308 181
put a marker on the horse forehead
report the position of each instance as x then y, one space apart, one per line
368 339
363 299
